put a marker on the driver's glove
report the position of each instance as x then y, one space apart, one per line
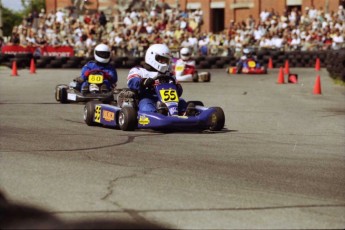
147 82
78 79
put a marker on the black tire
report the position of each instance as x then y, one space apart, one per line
57 93
195 103
89 112
61 94
195 77
217 119
128 119
205 77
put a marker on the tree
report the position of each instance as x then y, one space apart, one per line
9 20
33 5
80 5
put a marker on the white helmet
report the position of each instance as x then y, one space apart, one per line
185 53
102 53
158 56
246 51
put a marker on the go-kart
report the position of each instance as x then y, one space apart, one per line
188 73
71 93
127 117
250 66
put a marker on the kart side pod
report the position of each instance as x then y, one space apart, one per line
96 113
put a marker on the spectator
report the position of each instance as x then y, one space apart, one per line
264 15
295 42
316 26
203 46
2 42
337 40
60 16
266 42
277 41
132 46
15 40
185 42
193 41
102 19
238 47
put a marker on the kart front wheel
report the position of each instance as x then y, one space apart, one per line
128 118
61 94
217 119
89 113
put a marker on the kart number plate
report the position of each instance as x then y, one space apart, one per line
95 78
179 68
168 95
72 96
251 64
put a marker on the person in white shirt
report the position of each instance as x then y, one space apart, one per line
277 41
266 42
338 40
295 42
264 15
60 16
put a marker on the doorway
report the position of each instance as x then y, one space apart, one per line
217 20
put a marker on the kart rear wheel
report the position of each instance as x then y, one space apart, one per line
89 112
128 118
195 103
205 77
217 119
195 77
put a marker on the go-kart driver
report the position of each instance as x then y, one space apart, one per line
140 78
102 55
247 55
185 68
186 58
188 64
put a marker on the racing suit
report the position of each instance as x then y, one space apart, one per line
188 70
110 74
147 96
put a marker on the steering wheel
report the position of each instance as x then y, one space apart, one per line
164 78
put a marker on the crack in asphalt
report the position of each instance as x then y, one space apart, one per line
112 183
110 191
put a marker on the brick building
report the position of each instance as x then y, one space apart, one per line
217 13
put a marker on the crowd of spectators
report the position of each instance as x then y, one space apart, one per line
130 33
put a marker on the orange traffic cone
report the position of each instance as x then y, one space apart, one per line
270 64
317 64
317 86
287 69
293 78
281 76
32 66
14 69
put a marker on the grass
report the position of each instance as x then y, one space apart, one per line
339 82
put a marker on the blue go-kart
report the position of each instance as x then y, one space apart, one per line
125 114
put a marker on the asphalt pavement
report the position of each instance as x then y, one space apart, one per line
279 163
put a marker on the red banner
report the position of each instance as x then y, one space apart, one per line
57 51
